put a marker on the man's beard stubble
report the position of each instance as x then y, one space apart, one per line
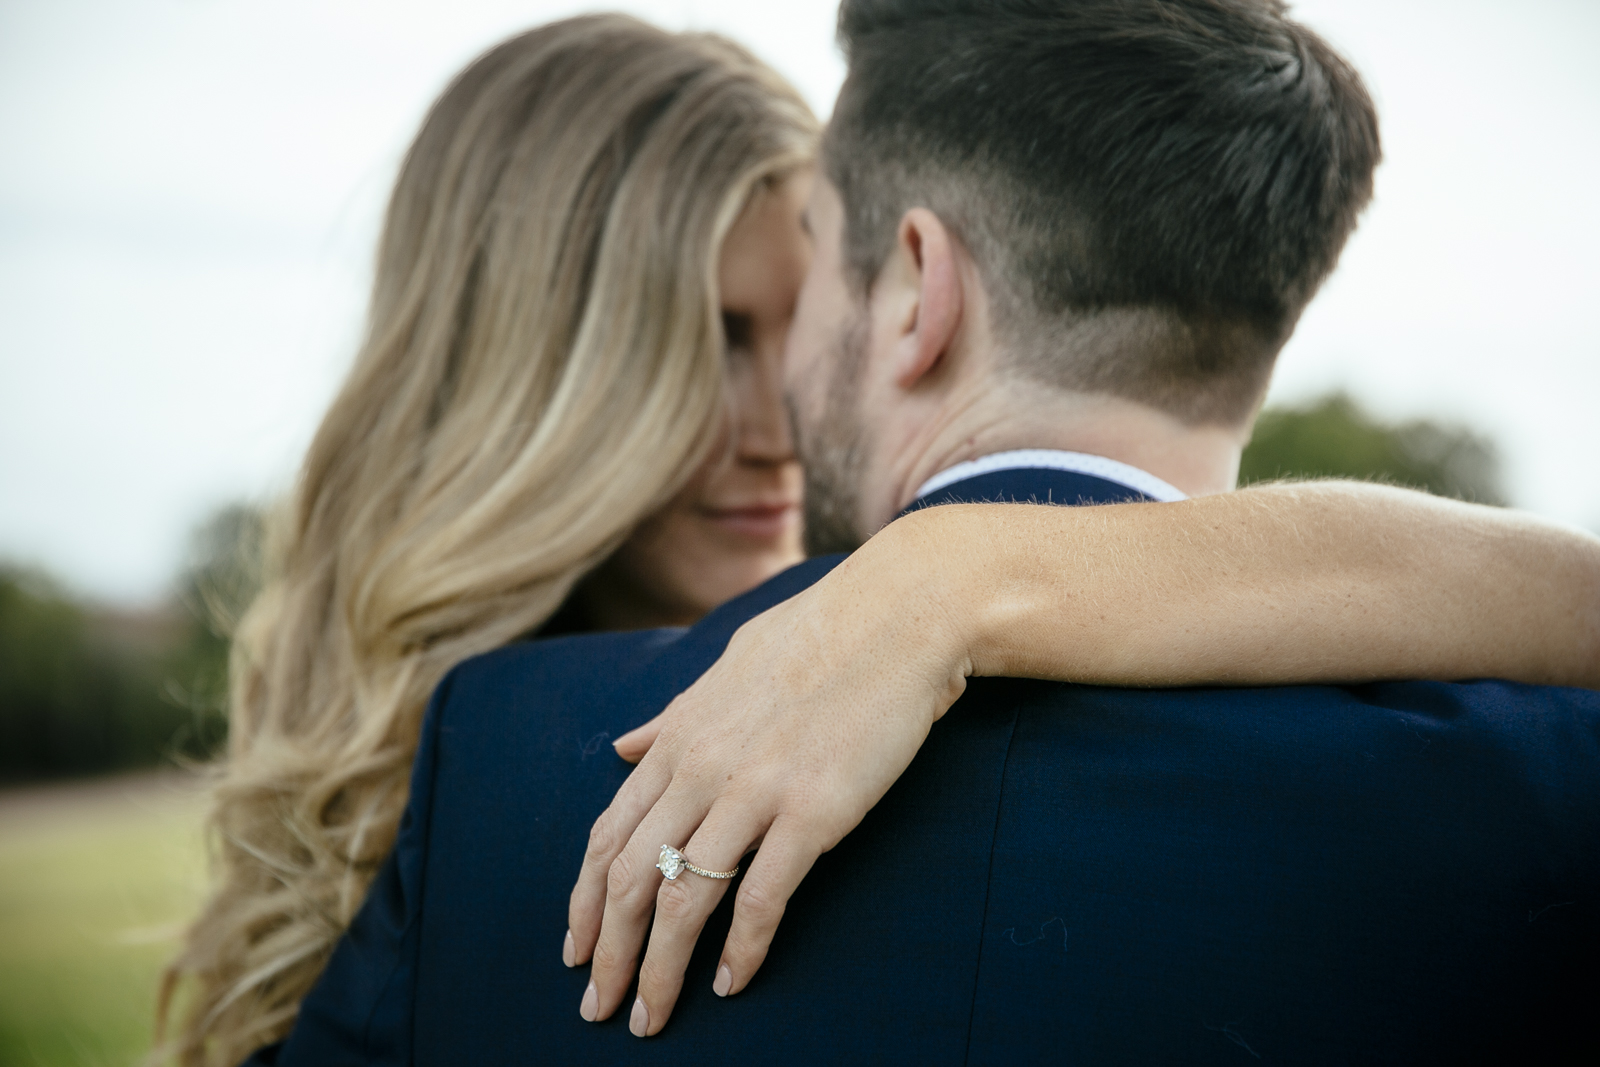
833 453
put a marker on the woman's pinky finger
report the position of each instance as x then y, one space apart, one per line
775 873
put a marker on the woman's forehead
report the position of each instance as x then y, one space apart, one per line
766 250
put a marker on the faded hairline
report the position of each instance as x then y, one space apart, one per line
1077 349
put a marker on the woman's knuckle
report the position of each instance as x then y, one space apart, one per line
654 975
621 877
740 947
602 838
759 905
606 957
675 902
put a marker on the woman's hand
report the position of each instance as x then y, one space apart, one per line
633 745
811 714
819 704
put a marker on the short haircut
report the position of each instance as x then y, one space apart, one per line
1152 190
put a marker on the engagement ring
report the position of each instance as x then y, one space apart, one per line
673 863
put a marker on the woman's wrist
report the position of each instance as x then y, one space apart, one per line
894 600
959 565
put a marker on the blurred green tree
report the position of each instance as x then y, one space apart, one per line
79 693
1333 437
85 690
216 588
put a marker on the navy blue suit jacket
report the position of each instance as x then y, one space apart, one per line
1398 873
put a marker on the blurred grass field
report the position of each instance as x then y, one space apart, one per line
96 878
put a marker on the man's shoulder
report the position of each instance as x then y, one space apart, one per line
1397 872
1453 700
1532 733
553 666
634 667
1339 712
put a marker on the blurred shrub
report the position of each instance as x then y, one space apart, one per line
1334 438
217 586
79 693
85 690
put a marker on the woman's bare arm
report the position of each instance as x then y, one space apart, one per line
1308 582
818 705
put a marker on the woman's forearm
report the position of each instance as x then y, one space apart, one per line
1307 582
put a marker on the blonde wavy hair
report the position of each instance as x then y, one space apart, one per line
542 369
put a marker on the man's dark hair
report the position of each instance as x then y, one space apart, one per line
1152 189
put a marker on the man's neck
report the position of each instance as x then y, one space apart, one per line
1199 460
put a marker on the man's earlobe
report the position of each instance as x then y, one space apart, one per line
930 254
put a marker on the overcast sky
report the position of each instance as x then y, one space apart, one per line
190 192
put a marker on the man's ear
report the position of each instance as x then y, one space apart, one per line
929 320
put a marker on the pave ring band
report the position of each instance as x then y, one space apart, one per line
673 863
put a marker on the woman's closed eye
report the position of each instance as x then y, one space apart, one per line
739 330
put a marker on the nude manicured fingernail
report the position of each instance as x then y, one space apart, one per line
569 954
639 1021
591 1004
723 982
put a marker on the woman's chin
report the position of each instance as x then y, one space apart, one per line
754 568
771 528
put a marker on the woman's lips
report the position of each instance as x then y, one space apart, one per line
762 521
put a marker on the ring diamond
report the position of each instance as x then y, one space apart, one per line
673 863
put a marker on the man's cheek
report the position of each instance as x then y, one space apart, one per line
801 363
799 347
802 390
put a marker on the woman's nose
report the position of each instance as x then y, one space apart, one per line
763 418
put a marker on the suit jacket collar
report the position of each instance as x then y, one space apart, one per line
1040 476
